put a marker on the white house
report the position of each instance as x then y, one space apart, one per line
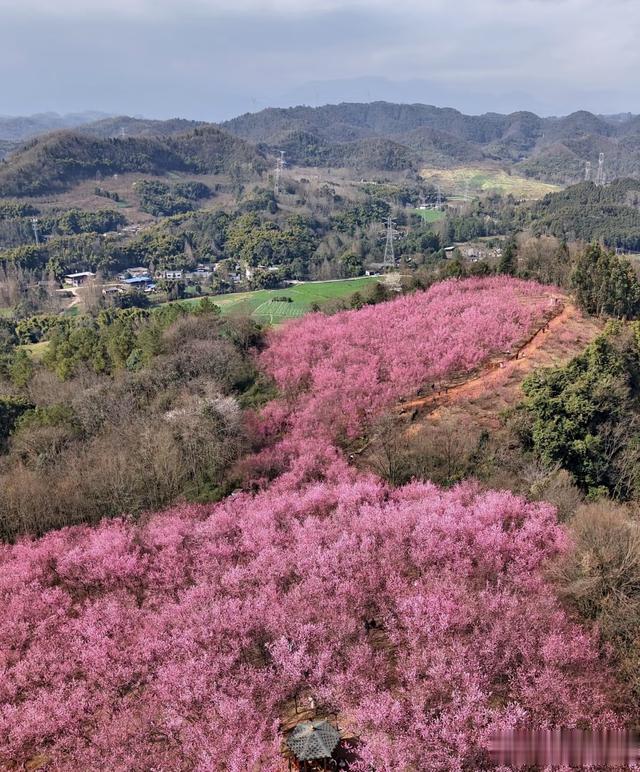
78 279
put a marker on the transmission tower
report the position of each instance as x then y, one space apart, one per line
587 171
439 199
389 251
466 190
600 178
123 132
36 232
280 164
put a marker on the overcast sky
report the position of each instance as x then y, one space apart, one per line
212 59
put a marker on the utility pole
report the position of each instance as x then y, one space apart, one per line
587 171
600 178
280 164
389 251
36 233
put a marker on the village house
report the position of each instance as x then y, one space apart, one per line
78 279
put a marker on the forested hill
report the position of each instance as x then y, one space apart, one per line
376 136
57 161
588 212
125 126
548 148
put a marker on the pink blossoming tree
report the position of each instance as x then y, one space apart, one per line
420 616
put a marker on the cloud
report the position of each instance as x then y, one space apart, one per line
160 9
210 58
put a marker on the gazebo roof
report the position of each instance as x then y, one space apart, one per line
313 740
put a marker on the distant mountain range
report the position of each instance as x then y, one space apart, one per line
367 137
17 129
553 149
14 130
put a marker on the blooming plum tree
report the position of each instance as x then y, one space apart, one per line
421 616
179 643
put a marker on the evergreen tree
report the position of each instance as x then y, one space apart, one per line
509 259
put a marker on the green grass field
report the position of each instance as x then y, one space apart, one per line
261 306
430 215
36 350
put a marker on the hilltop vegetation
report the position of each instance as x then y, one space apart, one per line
56 162
587 212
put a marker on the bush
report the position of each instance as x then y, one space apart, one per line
600 579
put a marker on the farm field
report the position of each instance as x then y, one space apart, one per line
262 307
430 215
453 182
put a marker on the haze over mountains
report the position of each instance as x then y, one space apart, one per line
375 136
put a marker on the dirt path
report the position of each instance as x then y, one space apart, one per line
497 385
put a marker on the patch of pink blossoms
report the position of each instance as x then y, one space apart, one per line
337 373
177 644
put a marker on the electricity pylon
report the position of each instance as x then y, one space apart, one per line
280 164
600 178
389 251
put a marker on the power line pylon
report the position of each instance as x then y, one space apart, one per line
587 171
389 250
439 199
280 164
36 232
466 190
600 178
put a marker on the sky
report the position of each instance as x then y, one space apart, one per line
213 59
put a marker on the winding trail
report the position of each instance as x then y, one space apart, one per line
498 382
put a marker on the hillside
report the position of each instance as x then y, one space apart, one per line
588 212
376 136
417 619
6 147
57 161
551 149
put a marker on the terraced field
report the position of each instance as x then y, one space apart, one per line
482 180
262 306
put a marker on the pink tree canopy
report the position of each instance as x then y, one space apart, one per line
178 643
